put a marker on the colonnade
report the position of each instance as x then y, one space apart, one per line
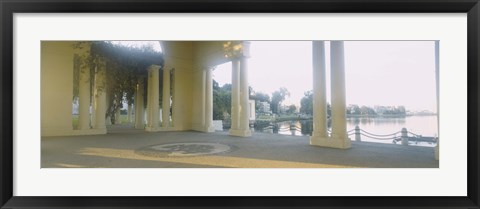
208 101
320 136
93 121
153 96
96 123
99 104
240 96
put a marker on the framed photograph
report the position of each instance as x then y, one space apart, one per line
266 104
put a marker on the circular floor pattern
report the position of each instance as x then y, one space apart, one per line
187 149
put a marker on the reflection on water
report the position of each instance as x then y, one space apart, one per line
294 128
421 125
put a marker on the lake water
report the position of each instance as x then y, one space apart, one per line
420 125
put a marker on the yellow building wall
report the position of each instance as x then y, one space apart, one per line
56 88
189 59
179 55
209 53
206 55
198 117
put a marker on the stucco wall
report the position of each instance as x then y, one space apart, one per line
179 55
198 116
56 88
206 54
189 59
209 53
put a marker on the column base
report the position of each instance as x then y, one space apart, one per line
437 152
152 129
210 129
90 131
158 129
331 142
108 121
140 126
241 133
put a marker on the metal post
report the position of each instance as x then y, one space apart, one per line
357 134
404 136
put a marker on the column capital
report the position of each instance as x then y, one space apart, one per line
153 67
236 49
82 47
204 67
169 67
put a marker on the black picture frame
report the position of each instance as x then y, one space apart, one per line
9 7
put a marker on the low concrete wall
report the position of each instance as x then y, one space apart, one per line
218 125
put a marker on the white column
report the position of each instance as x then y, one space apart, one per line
244 97
117 115
153 97
130 113
240 112
84 98
100 95
166 98
437 67
139 109
319 93
235 96
108 120
203 99
339 121
209 101
92 98
147 110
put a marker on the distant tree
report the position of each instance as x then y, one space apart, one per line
364 110
306 103
277 98
354 109
401 110
215 85
227 87
260 97
222 102
291 109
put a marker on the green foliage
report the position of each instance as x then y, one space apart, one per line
222 100
369 111
306 103
364 110
125 65
277 98
135 59
291 109
259 97
353 109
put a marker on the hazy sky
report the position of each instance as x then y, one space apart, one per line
377 72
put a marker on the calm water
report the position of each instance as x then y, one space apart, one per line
421 125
